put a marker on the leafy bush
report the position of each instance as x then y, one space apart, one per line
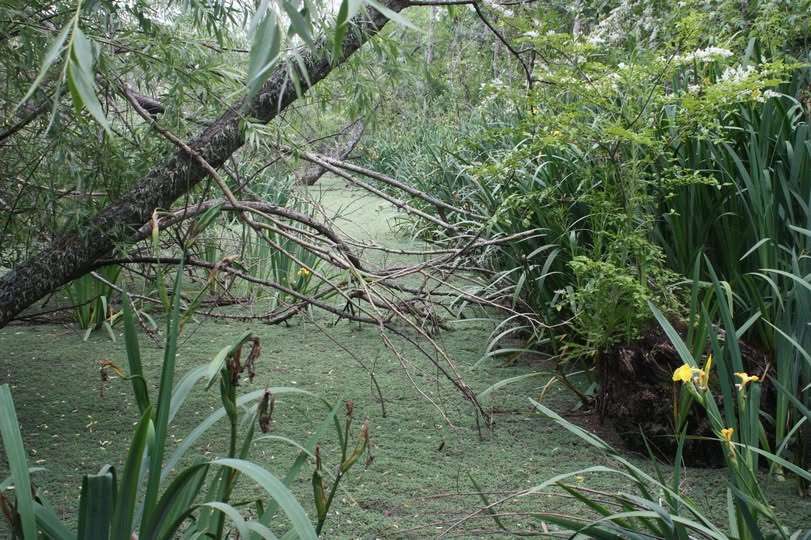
610 300
637 158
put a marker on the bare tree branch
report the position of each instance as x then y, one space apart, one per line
345 141
75 251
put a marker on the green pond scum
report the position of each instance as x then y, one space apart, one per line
428 467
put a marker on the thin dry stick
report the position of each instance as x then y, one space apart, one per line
383 195
360 362
402 186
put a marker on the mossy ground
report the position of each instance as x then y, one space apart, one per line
418 482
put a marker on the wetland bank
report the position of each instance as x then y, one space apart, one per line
405 269
420 480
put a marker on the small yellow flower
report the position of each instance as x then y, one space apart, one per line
745 379
708 364
683 374
303 272
727 433
704 378
686 374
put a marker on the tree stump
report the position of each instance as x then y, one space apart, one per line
638 396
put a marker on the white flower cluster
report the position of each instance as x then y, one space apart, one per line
765 96
501 10
710 54
629 18
612 28
736 74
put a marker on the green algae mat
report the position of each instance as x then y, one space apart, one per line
419 482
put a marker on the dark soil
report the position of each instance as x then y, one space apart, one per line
638 396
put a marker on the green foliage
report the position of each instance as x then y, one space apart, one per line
630 155
650 137
189 59
635 139
91 298
282 256
610 300
196 501
655 505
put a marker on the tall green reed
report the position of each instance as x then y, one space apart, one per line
653 505
141 499
91 300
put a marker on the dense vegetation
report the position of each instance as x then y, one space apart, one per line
622 188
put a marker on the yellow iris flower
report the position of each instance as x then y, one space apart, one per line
726 435
686 373
683 374
745 379
303 272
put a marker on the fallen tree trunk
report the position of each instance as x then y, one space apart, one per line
75 252
340 148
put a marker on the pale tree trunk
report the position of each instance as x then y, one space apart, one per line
455 50
496 58
429 39
74 252
340 148
429 56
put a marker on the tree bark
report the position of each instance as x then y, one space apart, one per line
341 147
74 252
